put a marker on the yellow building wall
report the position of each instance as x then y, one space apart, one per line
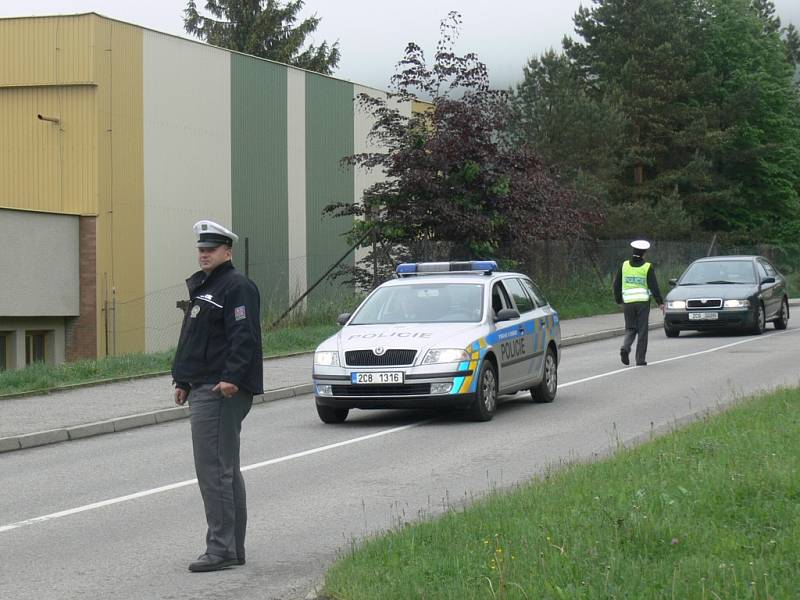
46 68
46 50
120 184
85 71
45 166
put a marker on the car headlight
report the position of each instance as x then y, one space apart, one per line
737 304
326 359
445 355
676 304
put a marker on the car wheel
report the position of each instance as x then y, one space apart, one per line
486 397
670 331
759 321
331 414
783 319
548 386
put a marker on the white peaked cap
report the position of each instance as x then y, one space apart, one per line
211 234
640 244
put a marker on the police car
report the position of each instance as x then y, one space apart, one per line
441 335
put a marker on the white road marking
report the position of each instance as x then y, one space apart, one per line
266 463
681 357
180 484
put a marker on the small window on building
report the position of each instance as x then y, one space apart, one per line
3 351
35 344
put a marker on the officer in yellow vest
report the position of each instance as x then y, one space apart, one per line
634 283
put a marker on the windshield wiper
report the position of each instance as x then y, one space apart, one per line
721 282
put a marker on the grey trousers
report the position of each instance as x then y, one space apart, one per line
637 315
216 425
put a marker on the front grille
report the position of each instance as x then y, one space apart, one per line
412 389
704 303
391 358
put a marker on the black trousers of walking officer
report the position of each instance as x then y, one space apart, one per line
637 315
216 427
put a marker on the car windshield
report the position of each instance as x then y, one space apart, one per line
719 272
423 303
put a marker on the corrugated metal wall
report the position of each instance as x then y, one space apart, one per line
259 172
187 168
46 50
120 186
329 138
46 166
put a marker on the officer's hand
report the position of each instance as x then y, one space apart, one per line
180 396
226 389
662 307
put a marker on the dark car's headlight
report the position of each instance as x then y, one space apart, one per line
737 304
676 304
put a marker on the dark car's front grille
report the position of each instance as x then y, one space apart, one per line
391 358
704 303
413 389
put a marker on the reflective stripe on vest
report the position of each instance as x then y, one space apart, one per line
634 283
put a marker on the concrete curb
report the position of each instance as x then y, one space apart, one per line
74 386
41 438
156 417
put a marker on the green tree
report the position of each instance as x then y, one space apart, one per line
264 28
757 110
712 112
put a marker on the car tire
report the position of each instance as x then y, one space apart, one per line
331 414
486 395
670 331
547 388
783 318
759 320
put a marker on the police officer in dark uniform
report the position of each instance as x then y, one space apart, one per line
218 368
634 283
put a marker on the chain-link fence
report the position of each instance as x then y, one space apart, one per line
575 265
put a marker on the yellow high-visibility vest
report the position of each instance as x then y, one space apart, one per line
634 283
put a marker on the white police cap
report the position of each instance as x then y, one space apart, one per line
211 234
640 244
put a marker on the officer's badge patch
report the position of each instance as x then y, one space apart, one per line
195 310
239 313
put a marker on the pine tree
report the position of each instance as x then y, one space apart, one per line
264 28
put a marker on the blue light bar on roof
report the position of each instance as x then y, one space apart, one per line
446 267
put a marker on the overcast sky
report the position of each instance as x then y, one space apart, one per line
373 34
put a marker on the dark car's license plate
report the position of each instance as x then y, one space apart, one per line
703 316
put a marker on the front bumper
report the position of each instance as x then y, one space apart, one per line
726 318
415 392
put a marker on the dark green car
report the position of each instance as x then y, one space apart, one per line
722 292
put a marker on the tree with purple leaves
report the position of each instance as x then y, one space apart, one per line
452 174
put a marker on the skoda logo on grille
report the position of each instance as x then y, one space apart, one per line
379 351
704 300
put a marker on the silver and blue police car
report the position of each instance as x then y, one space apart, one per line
441 335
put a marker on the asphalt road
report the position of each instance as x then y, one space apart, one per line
119 516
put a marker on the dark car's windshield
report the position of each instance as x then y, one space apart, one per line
719 272
423 303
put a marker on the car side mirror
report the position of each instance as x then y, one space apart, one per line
343 318
673 282
767 280
507 314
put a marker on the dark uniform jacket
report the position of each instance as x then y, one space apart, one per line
221 333
652 282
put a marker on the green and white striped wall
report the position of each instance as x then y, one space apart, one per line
255 145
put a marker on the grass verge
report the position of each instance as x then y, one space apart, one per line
708 512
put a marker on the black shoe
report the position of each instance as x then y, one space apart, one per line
211 562
240 561
623 356
641 364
